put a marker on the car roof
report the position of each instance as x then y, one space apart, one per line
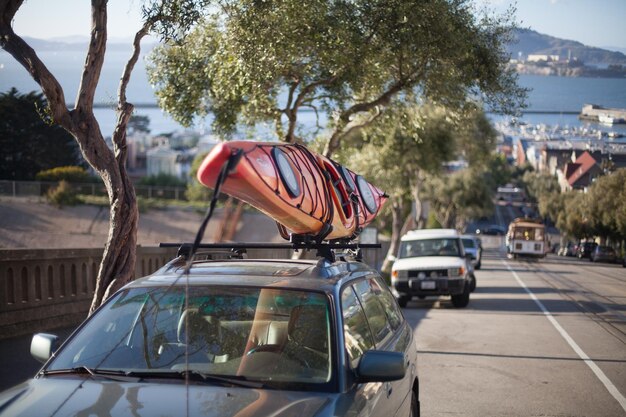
430 234
320 275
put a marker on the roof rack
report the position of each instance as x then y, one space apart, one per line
324 250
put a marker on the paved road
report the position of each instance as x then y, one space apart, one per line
539 338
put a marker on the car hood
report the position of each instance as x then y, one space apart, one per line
429 262
61 396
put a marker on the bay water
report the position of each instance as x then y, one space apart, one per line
552 100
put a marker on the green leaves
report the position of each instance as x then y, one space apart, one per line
257 61
29 142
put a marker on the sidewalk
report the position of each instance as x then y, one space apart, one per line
16 363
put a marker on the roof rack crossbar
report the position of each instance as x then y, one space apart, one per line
323 249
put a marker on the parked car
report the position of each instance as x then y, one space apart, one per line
584 249
271 337
473 246
603 254
569 249
492 230
432 262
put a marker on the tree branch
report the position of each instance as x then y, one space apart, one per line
125 109
356 127
317 115
292 113
95 56
344 118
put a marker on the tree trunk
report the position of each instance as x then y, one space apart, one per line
118 260
120 252
418 214
399 226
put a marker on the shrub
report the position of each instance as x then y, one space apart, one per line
67 173
198 192
63 195
165 180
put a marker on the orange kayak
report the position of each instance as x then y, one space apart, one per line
305 192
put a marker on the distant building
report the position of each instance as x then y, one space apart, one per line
580 173
163 160
542 58
554 156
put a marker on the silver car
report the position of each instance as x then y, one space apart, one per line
234 337
474 248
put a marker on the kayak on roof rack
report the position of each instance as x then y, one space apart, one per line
303 191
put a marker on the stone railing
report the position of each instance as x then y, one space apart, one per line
48 288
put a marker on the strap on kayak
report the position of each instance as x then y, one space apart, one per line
227 167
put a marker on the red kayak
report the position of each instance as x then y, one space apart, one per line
303 191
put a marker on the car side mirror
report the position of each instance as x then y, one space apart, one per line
43 345
381 366
392 258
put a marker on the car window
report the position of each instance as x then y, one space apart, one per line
357 335
468 243
392 310
429 247
374 311
271 335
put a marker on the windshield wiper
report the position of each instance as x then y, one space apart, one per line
197 376
82 370
237 381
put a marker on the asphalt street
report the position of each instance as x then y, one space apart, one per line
539 338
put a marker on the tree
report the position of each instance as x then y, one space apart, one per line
138 123
606 202
458 197
395 153
170 19
411 143
540 185
253 62
499 171
28 140
196 191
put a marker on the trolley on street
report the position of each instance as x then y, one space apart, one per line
526 237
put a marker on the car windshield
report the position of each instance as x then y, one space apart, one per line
429 247
271 335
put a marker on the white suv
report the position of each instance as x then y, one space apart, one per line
432 262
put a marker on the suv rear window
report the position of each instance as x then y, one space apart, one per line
429 247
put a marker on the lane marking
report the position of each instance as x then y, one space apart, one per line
596 370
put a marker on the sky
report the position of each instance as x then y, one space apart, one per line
593 22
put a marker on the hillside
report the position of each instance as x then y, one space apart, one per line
531 42
526 42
